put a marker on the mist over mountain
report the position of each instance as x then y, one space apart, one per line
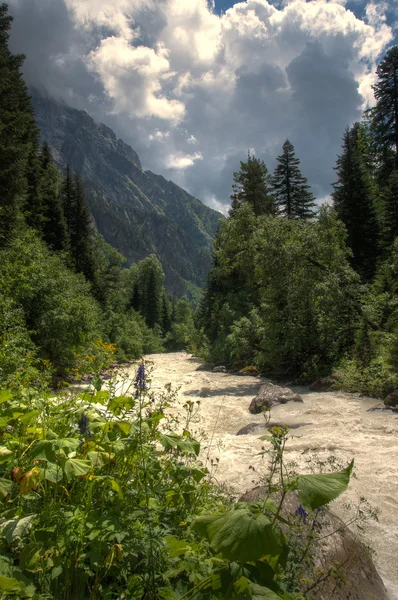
137 212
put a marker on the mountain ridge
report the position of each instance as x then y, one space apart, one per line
138 212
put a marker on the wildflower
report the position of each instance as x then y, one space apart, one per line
140 380
84 428
301 513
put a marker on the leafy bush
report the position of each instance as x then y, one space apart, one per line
104 496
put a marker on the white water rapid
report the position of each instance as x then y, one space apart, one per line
326 424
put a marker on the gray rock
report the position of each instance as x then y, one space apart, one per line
356 576
271 394
219 370
204 392
391 399
207 366
250 428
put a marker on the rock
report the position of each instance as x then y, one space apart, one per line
271 394
219 370
207 366
391 399
249 428
356 577
251 371
204 392
325 384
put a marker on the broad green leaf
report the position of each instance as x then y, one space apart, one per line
10 584
99 459
177 547
116 405
5 396
172 441
75 467
56 572
101 397
4 452
30 557
16 528
43 450
318 490
116 488
258 592
5 487
29 417
66 445
241 535
51 472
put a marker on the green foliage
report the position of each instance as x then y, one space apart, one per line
101 495
251 185
281 293
17 132
293 197
354 199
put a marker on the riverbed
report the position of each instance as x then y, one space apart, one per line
328 427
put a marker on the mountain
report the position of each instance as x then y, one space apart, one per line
137 212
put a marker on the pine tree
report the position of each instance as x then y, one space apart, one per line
293 197
69 200
150 287
54 225
251 185
354 200
18 132
385 112
81 233
166 316
390 205
33 206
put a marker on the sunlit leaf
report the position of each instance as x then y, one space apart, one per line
16 528
318 490
5 487
43 450
75 467
241 535
5 396
51 472
172 441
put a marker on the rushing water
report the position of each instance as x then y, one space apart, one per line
326 424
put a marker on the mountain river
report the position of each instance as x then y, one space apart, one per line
328 424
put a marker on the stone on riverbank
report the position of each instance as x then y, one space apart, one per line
356 577
271 394
391 399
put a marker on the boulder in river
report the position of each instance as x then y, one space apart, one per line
271 394
391 399
206 366
219 370
355 576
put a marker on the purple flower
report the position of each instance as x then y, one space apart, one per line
301 513
140 380
84 428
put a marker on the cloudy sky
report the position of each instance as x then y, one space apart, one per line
192 85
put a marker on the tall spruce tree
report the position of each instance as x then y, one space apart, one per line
54 227
18 134
252 186
291 191
390 212
69 200
385 113
354 200
81 233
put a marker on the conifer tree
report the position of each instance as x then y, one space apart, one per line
54 225
33 206
17 131
390 205
251 185
385 112
293 197
69 200
354 200
150 290
166 316
81 233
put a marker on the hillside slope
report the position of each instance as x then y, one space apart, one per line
137 212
